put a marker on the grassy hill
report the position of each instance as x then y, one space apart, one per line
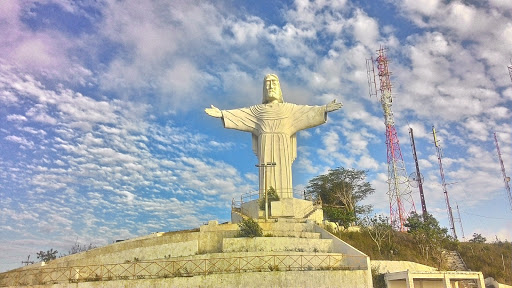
493 259
399 246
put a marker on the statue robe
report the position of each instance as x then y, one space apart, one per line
274 127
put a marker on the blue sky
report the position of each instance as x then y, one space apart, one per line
104 136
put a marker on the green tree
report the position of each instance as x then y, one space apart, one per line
341 191
272 196
478 238
427 234
48 255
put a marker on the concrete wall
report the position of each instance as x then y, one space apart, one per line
154 246
338 246
251 209
248 279
291 208
423 283
277 244
208 242
211 235
385 266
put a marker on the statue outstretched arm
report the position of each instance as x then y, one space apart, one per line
214 112
333 106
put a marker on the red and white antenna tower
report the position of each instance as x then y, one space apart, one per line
506 179
443 182
401 203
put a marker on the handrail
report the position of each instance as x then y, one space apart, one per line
165 268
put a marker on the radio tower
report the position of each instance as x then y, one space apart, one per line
418 177
506 179
510 69
401 203
443 182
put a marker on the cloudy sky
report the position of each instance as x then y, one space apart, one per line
103 134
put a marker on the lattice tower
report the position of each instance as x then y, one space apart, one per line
419 178
510 70
443 183
401 203
506 179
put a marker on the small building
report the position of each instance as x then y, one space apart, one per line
433 279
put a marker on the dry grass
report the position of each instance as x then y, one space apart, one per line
493 259
484 257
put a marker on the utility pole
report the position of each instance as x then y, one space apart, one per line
263 165
28 261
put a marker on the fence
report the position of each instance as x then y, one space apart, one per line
179 268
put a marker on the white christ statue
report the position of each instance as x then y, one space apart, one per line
274 125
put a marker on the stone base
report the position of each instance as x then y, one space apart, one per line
284 208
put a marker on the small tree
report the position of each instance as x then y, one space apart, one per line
250 228
427 234
48 255
478 238
379 229
77 248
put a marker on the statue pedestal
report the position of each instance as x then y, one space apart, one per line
284 208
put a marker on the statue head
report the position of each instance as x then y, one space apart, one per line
272 89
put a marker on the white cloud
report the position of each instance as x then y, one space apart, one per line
424 7
16 118
366 29
20 140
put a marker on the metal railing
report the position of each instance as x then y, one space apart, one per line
246 197
164 268
236 205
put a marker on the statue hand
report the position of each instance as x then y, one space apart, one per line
333 106
214 112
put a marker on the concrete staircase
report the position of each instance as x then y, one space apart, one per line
453 261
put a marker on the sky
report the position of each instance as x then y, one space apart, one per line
103 134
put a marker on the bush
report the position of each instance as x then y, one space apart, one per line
48 255
250 228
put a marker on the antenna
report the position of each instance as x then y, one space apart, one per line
506 179
460 222
28 261
418 176
370 75
399 186
443 182
510 69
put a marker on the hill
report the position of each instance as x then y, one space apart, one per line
492 259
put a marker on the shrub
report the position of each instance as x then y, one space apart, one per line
250 228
